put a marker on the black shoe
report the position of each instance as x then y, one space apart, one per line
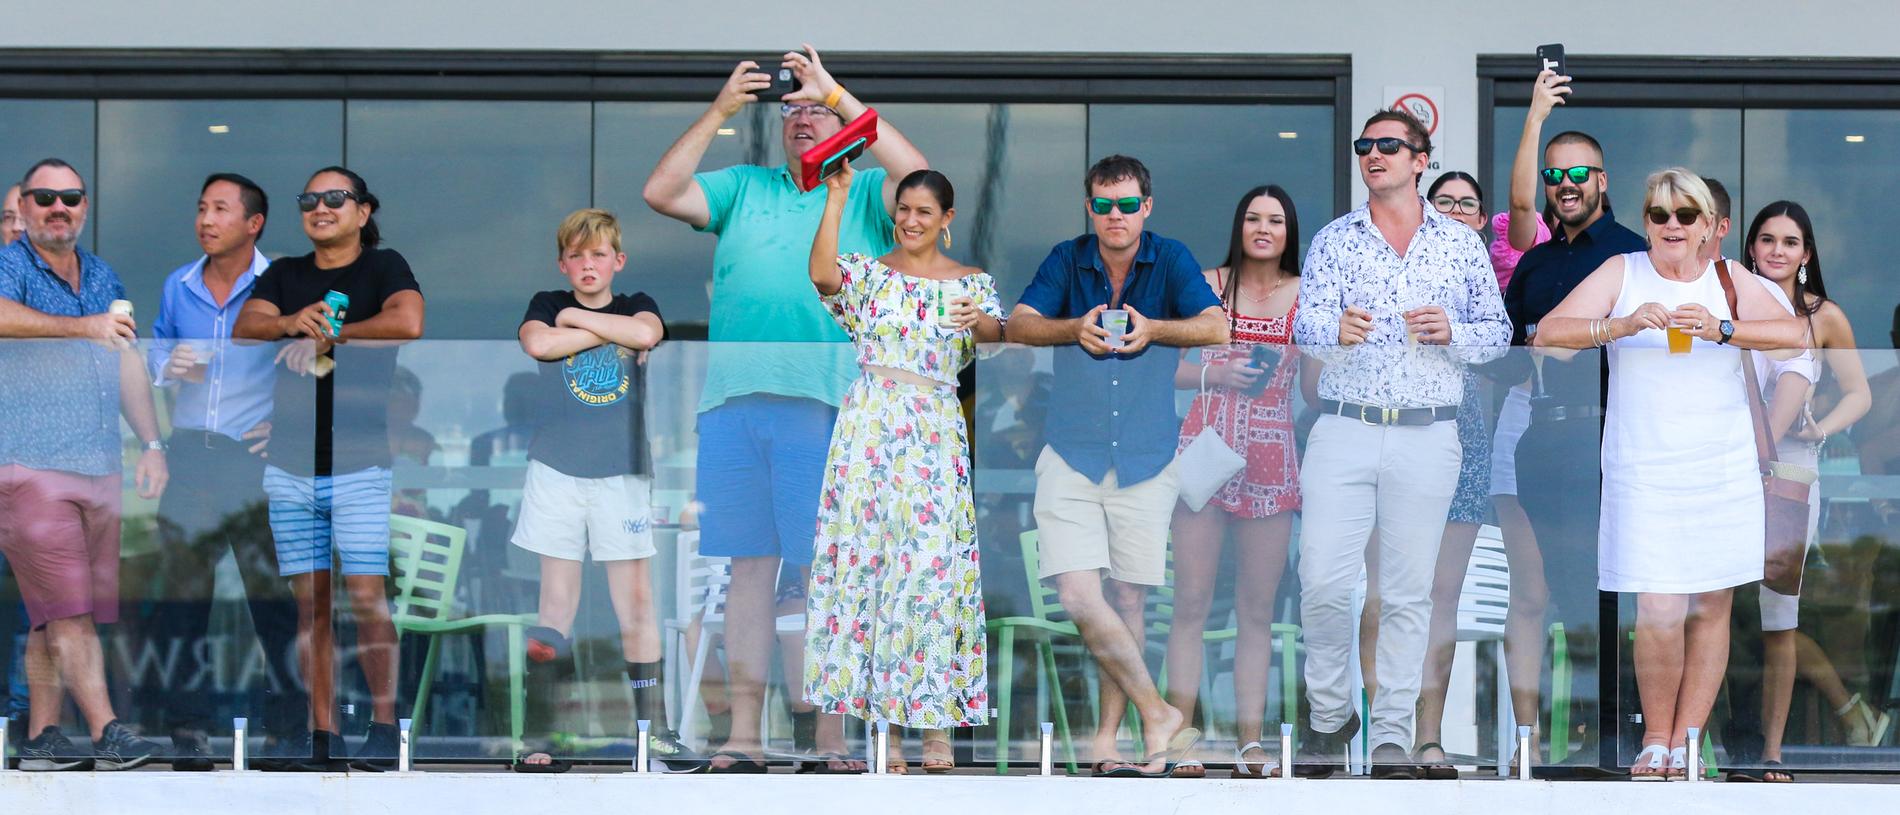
16 734
1392 761
191 752
51 751
281 754
1329 748
121 749
378 753
665 747
323 756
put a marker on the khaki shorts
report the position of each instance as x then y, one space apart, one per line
1085 525
569 518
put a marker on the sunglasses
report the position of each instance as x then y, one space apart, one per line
791 111
1578 174
1462 206
1387 145
333 199
45 197
1128 206
1684 215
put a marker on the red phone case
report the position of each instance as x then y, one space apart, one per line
864 127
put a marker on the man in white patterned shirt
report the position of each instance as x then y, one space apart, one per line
1396 298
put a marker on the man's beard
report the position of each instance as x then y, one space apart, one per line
61 244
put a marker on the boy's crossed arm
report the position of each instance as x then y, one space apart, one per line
576 330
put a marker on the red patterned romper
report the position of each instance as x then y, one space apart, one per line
1259 428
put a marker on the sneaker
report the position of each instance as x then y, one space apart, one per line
665 747
51 751
378 753
191 751
1329 748
121 749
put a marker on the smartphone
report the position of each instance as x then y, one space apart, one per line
1267 359
1552 57
832 165
784 82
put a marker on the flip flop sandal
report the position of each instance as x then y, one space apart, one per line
1777 768
1245 769
553 765
1678 764
742 764
1654 759
823 765
1188 769
1441 770
1115 768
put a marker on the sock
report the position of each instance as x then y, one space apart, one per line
649 696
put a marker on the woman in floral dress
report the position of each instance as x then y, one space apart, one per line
895 626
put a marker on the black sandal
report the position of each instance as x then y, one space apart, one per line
1441 770
554 765
742 764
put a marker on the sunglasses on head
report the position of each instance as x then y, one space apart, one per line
1684 215
1128 206
45 197
1388 145
331 198
1578 174
1462 206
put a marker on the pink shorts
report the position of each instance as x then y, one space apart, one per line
60 533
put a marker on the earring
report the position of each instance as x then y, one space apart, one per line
1801 276
895 240
946 238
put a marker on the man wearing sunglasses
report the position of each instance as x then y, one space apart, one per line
1105 484
1558 460
1382 285
779 364
61 458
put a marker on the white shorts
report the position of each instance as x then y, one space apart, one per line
1085 525
567 518
1513 419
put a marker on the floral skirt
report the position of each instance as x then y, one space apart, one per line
895 614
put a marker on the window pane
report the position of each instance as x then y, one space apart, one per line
33 129
472 193
1202 157
1637 142
154 156
1804 156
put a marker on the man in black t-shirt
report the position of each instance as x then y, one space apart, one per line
328 476
590 478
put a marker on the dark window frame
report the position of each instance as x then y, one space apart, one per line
685 76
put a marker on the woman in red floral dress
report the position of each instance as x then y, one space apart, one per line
1246 396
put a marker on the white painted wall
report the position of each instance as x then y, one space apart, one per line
1390 43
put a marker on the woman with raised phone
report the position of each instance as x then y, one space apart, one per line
1682 491
895 626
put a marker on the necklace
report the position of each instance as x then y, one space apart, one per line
1242 291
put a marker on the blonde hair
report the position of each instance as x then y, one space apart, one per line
1679 185
585 227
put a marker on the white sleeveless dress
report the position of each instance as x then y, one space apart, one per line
1682 497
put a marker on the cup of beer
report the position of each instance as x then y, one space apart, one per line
1679 339
1116 321
120 307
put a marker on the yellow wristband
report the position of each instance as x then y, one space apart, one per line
831 100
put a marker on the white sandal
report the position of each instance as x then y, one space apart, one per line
1654 758
1678 764
1243 769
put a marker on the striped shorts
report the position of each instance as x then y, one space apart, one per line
343 517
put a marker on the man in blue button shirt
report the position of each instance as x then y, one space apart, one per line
1105 487
220 421
61 459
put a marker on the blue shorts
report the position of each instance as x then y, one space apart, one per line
316 519
761 468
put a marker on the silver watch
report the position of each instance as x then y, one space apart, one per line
156 444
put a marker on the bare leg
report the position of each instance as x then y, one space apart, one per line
1777 689
1263 550
1818 670
749 635
1524 620
1660 619
1197 546
316 653
1441 640
73 644
630 586
1705 660
560 596
376 642
791 654
45 693
1113 636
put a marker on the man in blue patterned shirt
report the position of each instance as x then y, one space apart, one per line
1396 298
60 460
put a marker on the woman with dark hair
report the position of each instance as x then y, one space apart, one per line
894 617
1780 247
1244 395
330 496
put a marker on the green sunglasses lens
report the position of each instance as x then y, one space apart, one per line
1128 206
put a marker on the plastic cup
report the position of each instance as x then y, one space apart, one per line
120 307
947 290
1679 340
1115 320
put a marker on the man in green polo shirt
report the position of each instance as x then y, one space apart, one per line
779 365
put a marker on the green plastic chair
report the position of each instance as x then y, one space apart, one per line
1040 627
427 560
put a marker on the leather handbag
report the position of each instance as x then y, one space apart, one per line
1784 486
1206 464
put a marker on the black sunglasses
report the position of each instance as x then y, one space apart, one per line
1578 174
1684 215
45 197
331 198
1128 206
1387 145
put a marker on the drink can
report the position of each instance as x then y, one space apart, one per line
339 304
120 307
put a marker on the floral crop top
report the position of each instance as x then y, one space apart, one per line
892 317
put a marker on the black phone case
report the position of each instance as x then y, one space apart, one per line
1553 53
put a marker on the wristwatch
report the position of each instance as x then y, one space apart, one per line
156 444
1727 330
